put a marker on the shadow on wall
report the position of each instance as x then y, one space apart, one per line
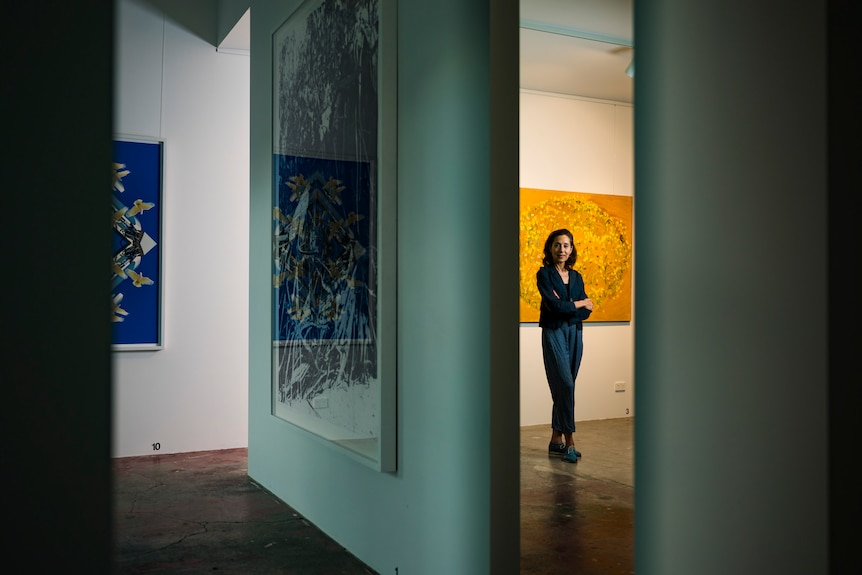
199 17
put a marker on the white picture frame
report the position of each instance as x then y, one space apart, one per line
334 226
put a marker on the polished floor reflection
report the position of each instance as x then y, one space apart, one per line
578 517
201 513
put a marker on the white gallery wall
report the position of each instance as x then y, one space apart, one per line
192 395
573 144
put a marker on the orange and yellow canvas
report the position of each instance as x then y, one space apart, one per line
602 227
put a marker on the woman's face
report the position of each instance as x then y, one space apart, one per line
561 249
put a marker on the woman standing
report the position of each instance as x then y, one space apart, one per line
565 306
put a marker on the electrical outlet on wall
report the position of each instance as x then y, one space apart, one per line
619 386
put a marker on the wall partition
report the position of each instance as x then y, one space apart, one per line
449 503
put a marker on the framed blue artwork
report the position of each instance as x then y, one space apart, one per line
136 266
334 216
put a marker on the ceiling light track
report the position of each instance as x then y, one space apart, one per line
575 33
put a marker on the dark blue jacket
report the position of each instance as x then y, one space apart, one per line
557 311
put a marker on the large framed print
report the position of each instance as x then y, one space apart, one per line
136 267
334 217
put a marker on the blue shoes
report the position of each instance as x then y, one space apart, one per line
572 455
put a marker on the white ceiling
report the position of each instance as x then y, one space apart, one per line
574 47
578 47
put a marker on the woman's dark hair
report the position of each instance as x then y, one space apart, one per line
549 259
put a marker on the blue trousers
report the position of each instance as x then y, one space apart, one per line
562 350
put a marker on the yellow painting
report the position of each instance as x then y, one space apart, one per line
602 228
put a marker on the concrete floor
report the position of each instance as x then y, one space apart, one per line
578 517
201 513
